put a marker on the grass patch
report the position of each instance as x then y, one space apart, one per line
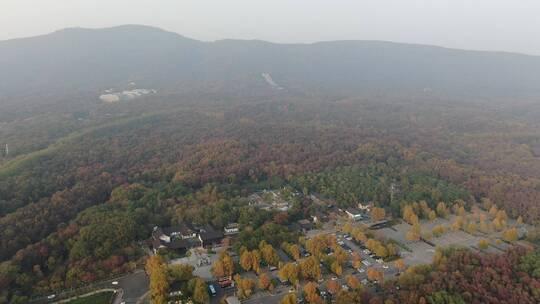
399 244
98 298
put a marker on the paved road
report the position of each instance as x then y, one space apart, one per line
131 286
118 296
220 292
134 286
269 298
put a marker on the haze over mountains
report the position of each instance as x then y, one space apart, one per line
80 59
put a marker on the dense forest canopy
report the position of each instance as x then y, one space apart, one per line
85 181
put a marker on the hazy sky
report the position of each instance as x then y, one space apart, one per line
507 25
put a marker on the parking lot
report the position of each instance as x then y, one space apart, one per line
422 252
387 268
201 261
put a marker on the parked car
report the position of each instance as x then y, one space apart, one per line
225 282
212 290
326 296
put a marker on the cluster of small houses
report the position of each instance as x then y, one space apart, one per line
184 237
277 203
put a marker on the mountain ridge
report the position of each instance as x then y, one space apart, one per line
155 28
78 58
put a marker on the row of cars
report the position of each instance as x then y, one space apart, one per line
366 252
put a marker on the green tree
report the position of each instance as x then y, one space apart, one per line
530 263
443 297
180 272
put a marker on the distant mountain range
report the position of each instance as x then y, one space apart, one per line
75 59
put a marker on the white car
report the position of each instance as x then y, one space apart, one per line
361 270
51 297
379 261
115 283
385 266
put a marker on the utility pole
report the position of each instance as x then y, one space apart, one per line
392 191
7 150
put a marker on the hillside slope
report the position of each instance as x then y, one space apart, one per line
103 58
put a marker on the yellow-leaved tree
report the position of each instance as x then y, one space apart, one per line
157 273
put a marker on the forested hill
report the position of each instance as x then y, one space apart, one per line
85 180
102 58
